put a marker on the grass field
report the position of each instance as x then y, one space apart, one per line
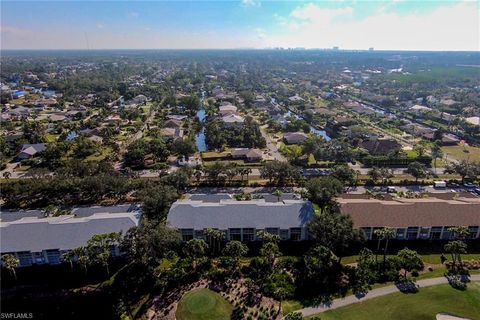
423 305
203 304
462 153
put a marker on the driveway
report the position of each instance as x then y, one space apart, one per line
337 303
272 145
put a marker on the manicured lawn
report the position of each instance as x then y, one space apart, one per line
98 156
423 305
458 152
427 258
203 304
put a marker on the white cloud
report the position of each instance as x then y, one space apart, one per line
14 31
100 26
250 3
450 27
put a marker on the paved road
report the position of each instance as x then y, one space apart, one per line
337 303
271 145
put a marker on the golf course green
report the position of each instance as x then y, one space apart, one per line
203 304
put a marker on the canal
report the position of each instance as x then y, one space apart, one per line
200 137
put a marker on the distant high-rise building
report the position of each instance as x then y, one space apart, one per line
370 49
335 48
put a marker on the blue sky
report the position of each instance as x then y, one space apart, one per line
399 24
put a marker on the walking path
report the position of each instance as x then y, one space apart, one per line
337 303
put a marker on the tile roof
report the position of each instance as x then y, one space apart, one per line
412 212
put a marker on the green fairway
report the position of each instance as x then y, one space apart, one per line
203 304
423 305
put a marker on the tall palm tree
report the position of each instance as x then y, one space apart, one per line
69 256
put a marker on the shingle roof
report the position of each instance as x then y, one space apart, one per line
412 212
33 233
226 214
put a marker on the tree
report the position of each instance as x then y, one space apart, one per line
194 249
437 153
68 257
235 250
456 248
417 170
334 230
374 174
294 316
267 236
384 234
277 193
11 262
83 258
157 200
385 174
270 252
7 174
464 169
322 190
99 245
409 260
344 173
215 238
150 242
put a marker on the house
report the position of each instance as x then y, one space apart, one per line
296 98
240 220
418 109
226 109
56 117
29 150
473 120
172 133
251 155
173 123
36 239
381 146
233 121
295 137
96 139
419 218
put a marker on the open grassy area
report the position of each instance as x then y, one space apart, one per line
462 153
203 304
427 258
102 154
423 305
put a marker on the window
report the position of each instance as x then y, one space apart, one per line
424 233
235 234
272 230
295 234
187 234
39 258
53 256
401 233
248 234
473 231
199 234
284 234
367 231
446 235
412 233
436 233
25 258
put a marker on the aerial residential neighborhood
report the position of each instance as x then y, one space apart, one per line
271 166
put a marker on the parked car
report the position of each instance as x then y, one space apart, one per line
391 190
469 185
452 185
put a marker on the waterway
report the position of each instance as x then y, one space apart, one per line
318 132
200 137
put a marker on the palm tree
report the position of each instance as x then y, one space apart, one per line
69 256
384 234
11 262
436 152
82 257
277 193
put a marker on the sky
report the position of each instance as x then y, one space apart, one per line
349 24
